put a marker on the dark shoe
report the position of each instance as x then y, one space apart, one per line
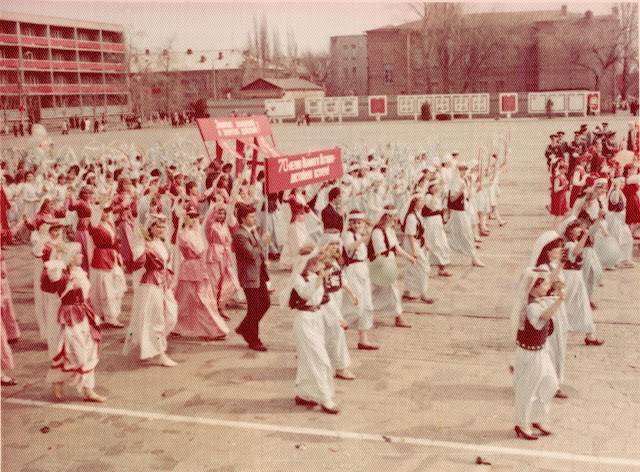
593 306
8 381
330 410
593 342
523 435
559 394
258 347
543 432
400 324
13 341
444 273
304 402
367 347
175 335
408 297
428 301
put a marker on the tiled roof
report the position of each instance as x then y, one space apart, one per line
289 84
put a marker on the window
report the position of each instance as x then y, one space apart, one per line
388 73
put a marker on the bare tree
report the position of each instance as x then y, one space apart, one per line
317 65
628 17
276 49
440 27
593 52
292 47
265 53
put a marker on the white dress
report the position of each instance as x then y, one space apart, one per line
386 299
534 377
460 233
618 228
577 299
440 252
356 276
314 376
154 310
416 276
334 333
557 341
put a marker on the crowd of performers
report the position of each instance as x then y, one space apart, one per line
593 232
193 239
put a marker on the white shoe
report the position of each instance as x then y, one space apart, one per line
164 360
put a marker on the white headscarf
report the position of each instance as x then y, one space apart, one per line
544 239
518 312
298 267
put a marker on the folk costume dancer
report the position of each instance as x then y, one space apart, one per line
154 311
220 264
356 274
79 334
9 320
305 294
297 233
124 205
618 228
82 207
416 276
547 255
335 286
108 282
534 377
630 191
197 305
577 298
559 188
435 236
53 244
461 238
384 243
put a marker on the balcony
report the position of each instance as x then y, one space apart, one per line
113 67
35 40
39 88
90 66
36 65
12 88
113 46
115 88
9 63
66 88
94 88
9 38
88 45
64 65
65 43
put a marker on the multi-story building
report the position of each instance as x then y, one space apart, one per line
347 66
528 52
54 68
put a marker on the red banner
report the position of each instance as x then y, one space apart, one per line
287 172
213 129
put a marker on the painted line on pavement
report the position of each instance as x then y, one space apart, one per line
602 460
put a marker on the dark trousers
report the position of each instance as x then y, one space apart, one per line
258 302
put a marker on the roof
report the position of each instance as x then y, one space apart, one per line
507 18
227 59
285 84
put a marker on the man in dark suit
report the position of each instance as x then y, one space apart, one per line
252 274
332 215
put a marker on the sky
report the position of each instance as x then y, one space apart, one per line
202 25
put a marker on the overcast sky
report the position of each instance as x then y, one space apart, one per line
225 25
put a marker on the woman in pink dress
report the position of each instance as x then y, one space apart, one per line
220 259
630 191
124 204
197 305
79 334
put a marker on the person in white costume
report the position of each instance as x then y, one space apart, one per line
384 245
305 294
432 214
534 377
79 335
154 310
